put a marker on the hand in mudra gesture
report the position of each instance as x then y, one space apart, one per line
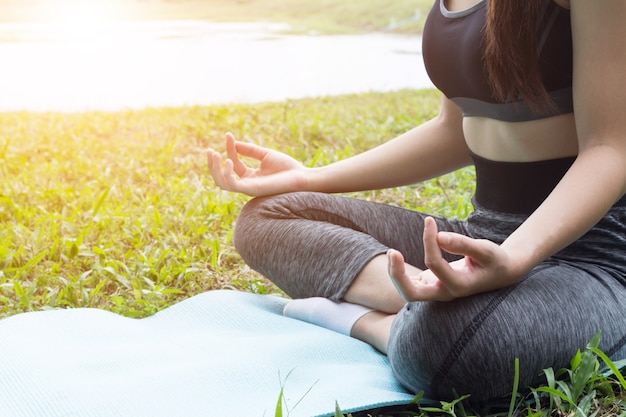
484 266
276 173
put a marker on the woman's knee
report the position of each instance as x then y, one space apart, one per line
250 226
256 227
244 230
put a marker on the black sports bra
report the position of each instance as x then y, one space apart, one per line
452 50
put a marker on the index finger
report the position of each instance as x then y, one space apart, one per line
479 250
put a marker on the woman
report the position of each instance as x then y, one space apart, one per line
535 99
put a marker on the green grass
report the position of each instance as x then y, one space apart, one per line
117 211
327 16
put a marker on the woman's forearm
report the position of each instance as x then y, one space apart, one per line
592 185
431 149
598 176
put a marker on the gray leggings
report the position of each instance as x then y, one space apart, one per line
312 244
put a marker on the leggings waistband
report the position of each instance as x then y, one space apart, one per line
519 187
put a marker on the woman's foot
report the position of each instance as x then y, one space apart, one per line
339 317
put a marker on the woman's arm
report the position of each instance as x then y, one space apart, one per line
426 151
433 148
595 181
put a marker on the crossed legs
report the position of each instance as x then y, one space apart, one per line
315 245
320 245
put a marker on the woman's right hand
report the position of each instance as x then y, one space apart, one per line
277 172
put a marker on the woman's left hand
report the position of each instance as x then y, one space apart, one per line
485 266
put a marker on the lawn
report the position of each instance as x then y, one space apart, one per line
117 210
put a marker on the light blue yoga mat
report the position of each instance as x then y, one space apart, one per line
221 353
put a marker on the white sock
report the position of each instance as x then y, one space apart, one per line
339 317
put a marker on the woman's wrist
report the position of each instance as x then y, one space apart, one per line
521 257
310 179
322 179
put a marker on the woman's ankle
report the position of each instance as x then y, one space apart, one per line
336 316
374 328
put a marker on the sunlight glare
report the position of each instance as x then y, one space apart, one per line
85 19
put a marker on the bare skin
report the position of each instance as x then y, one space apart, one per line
374 328
369 290
596 136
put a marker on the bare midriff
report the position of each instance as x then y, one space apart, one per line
534 140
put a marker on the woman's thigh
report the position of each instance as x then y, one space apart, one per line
314 244
470 345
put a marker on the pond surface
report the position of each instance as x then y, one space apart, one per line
47 67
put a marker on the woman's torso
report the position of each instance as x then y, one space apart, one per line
513 141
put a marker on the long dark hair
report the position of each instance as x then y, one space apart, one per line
510 53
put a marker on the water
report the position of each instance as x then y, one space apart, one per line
136 65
